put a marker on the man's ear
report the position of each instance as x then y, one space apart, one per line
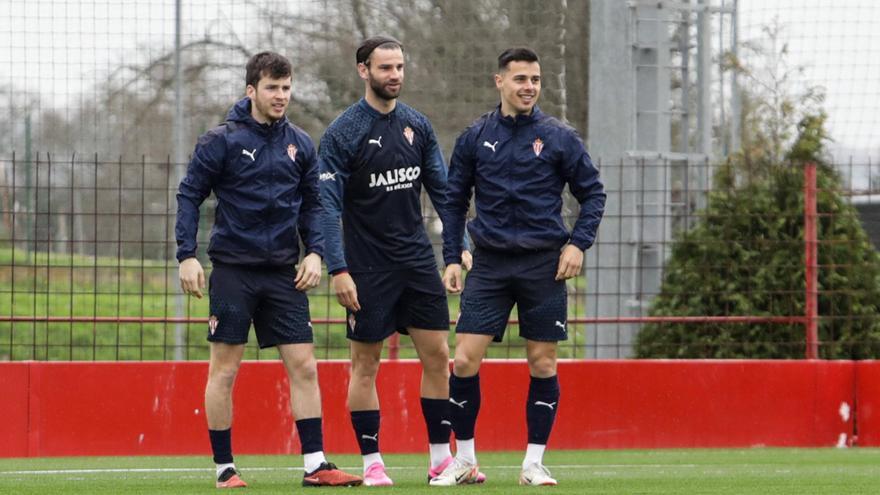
363 71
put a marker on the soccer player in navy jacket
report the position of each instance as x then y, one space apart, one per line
264 172
375 158
516 161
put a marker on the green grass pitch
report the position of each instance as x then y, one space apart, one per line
698 471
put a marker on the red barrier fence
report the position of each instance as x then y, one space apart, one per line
63 409
867 404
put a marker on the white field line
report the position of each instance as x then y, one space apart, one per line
350 468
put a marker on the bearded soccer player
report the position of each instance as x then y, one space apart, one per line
516 161
375 158
264 173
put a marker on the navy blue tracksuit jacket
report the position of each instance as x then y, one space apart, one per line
373 167
518 168
265 177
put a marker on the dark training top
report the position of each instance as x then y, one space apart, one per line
265 177
373 166
518 168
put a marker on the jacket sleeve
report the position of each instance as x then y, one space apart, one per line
201 175
586 186
435 179
459 187
332 164
311 214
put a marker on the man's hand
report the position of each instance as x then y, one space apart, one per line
570 262
192 277
452 278
467 260
346 291
309 274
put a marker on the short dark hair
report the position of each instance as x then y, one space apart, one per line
267 64
516 54
362 56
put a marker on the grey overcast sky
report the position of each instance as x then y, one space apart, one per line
62 47
838 44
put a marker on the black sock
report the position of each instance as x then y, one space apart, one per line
366 429
541 408
436 413
221 445
464 405
311 436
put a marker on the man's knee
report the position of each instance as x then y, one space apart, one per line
542 363
470 349
467 360
436 368
299 361
223 376
435 357
306 370
365 364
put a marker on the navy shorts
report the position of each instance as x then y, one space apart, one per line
266 296
500 280
393 300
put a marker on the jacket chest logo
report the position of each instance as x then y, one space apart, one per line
537 146
491 146
250 154
377 142
291 152
395 178
409 134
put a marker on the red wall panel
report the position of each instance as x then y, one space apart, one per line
868 407
117 408
157 407
14 398
652 404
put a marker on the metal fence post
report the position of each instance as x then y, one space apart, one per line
811 309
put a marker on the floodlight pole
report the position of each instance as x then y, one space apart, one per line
811 258
179 169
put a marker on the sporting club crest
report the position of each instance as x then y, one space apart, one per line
291 152
409 134
212 324
537 146
351 322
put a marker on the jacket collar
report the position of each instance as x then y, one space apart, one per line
241 113
372 112
518 120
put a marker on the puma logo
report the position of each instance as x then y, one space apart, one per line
542 403
459 404
445 422
560 324
490 146
376 141
250 154
374 438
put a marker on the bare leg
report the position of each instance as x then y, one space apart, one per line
302 372
433 351
365 357
470 349
222 370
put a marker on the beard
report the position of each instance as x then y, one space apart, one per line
383 93
267 110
